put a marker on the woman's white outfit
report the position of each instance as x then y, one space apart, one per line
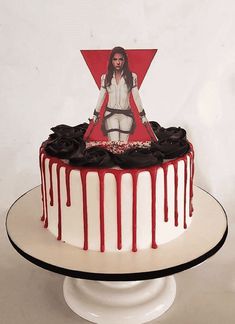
118 117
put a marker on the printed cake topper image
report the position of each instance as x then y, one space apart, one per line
119 116
119 133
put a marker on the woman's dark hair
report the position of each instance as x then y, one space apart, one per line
127 75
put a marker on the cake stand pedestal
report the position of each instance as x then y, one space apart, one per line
120 287
120 302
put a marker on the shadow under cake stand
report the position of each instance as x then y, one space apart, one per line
120 287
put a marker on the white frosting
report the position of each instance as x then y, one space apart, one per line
73 216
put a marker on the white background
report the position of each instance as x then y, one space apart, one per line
44 81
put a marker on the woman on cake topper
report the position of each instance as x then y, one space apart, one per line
119 82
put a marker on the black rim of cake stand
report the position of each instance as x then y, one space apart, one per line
134 276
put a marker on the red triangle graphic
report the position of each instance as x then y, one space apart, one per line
139 62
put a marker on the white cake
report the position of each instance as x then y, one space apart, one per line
114 209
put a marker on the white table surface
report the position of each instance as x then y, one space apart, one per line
29 294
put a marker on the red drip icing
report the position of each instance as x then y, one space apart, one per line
176 193
165 171
45 196
58 167
134 211
41 173
67 181
191 181
51 185
185 188
153 174
102 231
118 177
84 199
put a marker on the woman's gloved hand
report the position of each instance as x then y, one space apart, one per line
95 116
143 117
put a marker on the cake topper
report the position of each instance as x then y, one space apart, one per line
119 133
119 116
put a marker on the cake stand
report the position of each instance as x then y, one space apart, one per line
120 287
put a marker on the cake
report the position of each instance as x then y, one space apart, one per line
96 199
119 183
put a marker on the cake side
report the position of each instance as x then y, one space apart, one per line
114 209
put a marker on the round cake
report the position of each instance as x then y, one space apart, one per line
98 200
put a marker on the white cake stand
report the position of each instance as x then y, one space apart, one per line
120 287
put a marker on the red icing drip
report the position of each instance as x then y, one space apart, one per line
176 193
134 211
45 188
191 181
185 188
153 174
41 173
59 201
165 171
84 199
118 177
67 181
102 232
51 185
